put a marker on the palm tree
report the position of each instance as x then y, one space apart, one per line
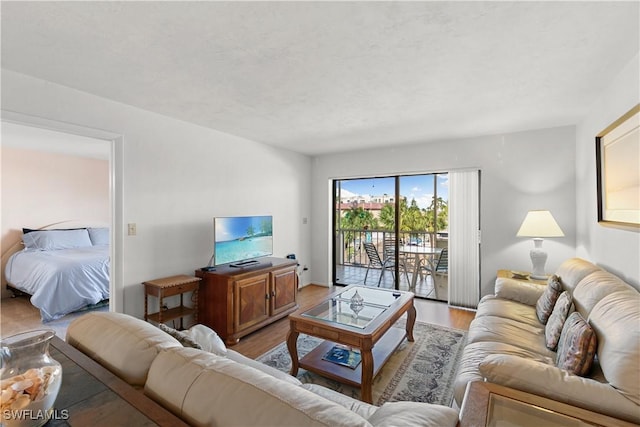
354 220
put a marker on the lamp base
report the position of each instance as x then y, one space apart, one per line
538 259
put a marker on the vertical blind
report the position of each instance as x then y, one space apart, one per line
464 241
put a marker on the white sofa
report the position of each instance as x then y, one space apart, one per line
207 389
506 342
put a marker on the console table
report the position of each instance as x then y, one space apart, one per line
237 301
91 395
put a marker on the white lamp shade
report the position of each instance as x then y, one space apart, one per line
539 224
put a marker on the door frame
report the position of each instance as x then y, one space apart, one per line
116 140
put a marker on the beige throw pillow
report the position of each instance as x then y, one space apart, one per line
208 339
547 301
577 345
559 315
183 338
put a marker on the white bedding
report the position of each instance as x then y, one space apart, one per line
61 281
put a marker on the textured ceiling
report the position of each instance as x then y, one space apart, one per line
319 77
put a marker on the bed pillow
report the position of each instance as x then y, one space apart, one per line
47 240
99 236
31 230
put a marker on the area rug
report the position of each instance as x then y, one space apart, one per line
419 371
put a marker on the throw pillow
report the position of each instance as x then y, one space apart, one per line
560 312
577 345
208 339
547 300
183 338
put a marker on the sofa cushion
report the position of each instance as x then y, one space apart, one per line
240 358
123 344
547 300
546 380
595 286
616 320
517 290
209 390
577 345
365 410
554 326
394 414
491 305
475 353
572 271
508 331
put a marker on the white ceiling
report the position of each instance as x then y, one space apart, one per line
320 77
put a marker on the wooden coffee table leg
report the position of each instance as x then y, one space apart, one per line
292 345
367 376
411 320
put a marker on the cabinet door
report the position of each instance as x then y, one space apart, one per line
284 290
251 301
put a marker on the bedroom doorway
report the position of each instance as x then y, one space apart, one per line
84 141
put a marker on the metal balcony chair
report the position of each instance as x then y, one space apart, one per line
442 266
440 276
390 254
388 263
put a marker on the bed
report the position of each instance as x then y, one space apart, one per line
63 270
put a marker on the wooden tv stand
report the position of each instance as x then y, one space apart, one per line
237 301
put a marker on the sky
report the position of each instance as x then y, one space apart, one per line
418 187
230 228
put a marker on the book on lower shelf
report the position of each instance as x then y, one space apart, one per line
344 356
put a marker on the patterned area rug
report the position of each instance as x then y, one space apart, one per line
419 371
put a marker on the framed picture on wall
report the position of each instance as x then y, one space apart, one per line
618 171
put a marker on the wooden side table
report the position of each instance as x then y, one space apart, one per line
167 287
510 274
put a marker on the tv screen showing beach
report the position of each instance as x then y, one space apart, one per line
242 238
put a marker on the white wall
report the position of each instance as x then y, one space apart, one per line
40 188
176 177
616 249
520 172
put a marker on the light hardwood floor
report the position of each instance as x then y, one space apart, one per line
261 341
18 315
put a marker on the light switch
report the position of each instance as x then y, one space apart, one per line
132 229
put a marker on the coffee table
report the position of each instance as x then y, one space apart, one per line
369 330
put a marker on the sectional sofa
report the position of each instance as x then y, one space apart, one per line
581 347
213 386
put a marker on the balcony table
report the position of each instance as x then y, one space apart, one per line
419 253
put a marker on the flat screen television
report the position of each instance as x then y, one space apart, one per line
239 240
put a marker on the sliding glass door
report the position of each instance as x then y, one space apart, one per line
391 232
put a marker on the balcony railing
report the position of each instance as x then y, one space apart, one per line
350 249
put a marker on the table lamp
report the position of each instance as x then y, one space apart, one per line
539 224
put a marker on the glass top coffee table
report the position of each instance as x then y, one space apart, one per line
354 318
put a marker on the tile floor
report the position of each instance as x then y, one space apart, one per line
354 275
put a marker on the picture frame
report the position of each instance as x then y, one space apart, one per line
618 171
